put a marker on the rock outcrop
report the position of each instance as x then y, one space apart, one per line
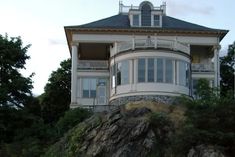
205 151
115 134
132 131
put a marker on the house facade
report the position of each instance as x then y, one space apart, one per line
140 54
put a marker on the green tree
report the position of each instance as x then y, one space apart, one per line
14 88
56 98
227 68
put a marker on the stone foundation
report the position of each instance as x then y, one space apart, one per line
155 98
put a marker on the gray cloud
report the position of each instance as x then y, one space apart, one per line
56 42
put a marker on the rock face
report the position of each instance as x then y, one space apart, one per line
120 136
116 134
205 151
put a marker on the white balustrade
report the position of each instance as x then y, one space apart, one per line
150 43
92 64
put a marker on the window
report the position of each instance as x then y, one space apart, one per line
89 88
135 20
159 70
150 70
123 72
182 73
113 78
141 70
169 71
156 20
146 15
187 75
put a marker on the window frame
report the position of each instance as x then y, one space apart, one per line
137 24
90 88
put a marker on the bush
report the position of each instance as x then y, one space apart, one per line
70 119
163 129
209 120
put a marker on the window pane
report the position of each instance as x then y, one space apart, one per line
141 70
156 20
85 93
169 71
135 20
113 72
119 73
182 73
85 84
187 74
125 72
89 88
92 84
150 70
159 70
92 93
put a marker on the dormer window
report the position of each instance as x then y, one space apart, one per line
136 20
146 15
156 20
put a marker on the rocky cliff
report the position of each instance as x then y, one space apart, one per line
128 132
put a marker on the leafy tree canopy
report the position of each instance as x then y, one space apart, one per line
56 99
227 68
14 88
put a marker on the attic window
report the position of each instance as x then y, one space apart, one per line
156 20
135 20
146 15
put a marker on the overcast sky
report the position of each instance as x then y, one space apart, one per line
41 23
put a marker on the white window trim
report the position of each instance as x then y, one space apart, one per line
152 20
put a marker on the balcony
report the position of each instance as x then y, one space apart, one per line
154 43
200 67
92 65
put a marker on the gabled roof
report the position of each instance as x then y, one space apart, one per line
121 21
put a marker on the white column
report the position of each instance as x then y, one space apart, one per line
216 66
133 42
74 74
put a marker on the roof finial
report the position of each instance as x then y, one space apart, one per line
120 6
164 8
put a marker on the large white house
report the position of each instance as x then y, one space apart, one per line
140 54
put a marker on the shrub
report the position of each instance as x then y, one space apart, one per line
70 119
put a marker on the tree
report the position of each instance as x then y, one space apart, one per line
14 88
56 98
227 68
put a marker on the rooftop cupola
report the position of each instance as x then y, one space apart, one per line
144 15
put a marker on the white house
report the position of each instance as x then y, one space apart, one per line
140 54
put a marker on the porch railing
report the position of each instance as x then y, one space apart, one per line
200 67
92 64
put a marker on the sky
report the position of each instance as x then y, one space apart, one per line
41 24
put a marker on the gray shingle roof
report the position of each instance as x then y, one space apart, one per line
121 21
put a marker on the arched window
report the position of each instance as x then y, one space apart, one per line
146 15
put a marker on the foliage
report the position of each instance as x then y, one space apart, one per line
227 68
71 118
56 99
210 120
14 88
162 126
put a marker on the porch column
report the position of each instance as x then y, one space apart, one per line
74 73
216 66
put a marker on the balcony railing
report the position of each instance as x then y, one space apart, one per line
150 43
92 65
125 9
200 67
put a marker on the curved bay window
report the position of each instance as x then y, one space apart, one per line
152 70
